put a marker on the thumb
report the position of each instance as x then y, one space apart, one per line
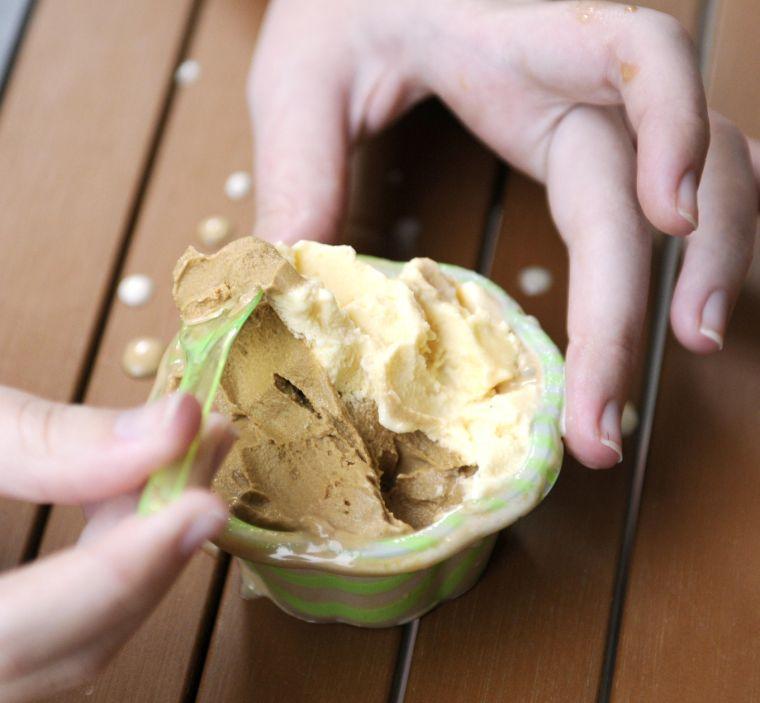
60 453
300 142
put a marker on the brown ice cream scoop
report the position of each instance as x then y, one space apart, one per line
202 284
300 462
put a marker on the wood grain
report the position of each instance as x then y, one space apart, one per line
259 652
732 75
547 587
548 583
205 139
402 208
534 628
75 129
691 620
410 198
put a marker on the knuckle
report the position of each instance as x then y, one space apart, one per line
671 28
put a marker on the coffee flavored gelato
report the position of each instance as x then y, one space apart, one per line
367 405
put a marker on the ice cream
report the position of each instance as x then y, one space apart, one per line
367 405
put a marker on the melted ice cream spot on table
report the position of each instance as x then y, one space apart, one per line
187 72
534 280
238 185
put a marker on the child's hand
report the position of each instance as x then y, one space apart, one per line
601 102
64 616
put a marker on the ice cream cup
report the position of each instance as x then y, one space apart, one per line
390 581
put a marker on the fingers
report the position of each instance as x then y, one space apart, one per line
658 78
297 96
216 440
71 454
536 60
719 253
592 196
52 638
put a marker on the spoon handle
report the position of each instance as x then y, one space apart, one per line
205 348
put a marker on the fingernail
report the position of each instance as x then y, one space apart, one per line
609 429
714 313
144 421
203 528
686 200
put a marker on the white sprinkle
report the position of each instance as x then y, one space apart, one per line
630 419
187 72
213 231
142 356
238 185
534 280
135 290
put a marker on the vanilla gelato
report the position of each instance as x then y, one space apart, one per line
366 404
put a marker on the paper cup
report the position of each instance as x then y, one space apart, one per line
390 581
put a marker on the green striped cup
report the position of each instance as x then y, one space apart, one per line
391 581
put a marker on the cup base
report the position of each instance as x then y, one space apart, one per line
365 601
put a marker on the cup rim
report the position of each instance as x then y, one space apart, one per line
470 520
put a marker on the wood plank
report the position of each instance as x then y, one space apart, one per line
549 583
732 76
410 198
257 650
75 130
206 137
691 619
396 208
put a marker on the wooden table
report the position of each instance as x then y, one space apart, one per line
637 584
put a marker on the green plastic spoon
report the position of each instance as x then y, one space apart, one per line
203 346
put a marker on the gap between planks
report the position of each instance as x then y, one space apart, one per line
17 15
656 353
671 257
488 242
206 630
37 531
